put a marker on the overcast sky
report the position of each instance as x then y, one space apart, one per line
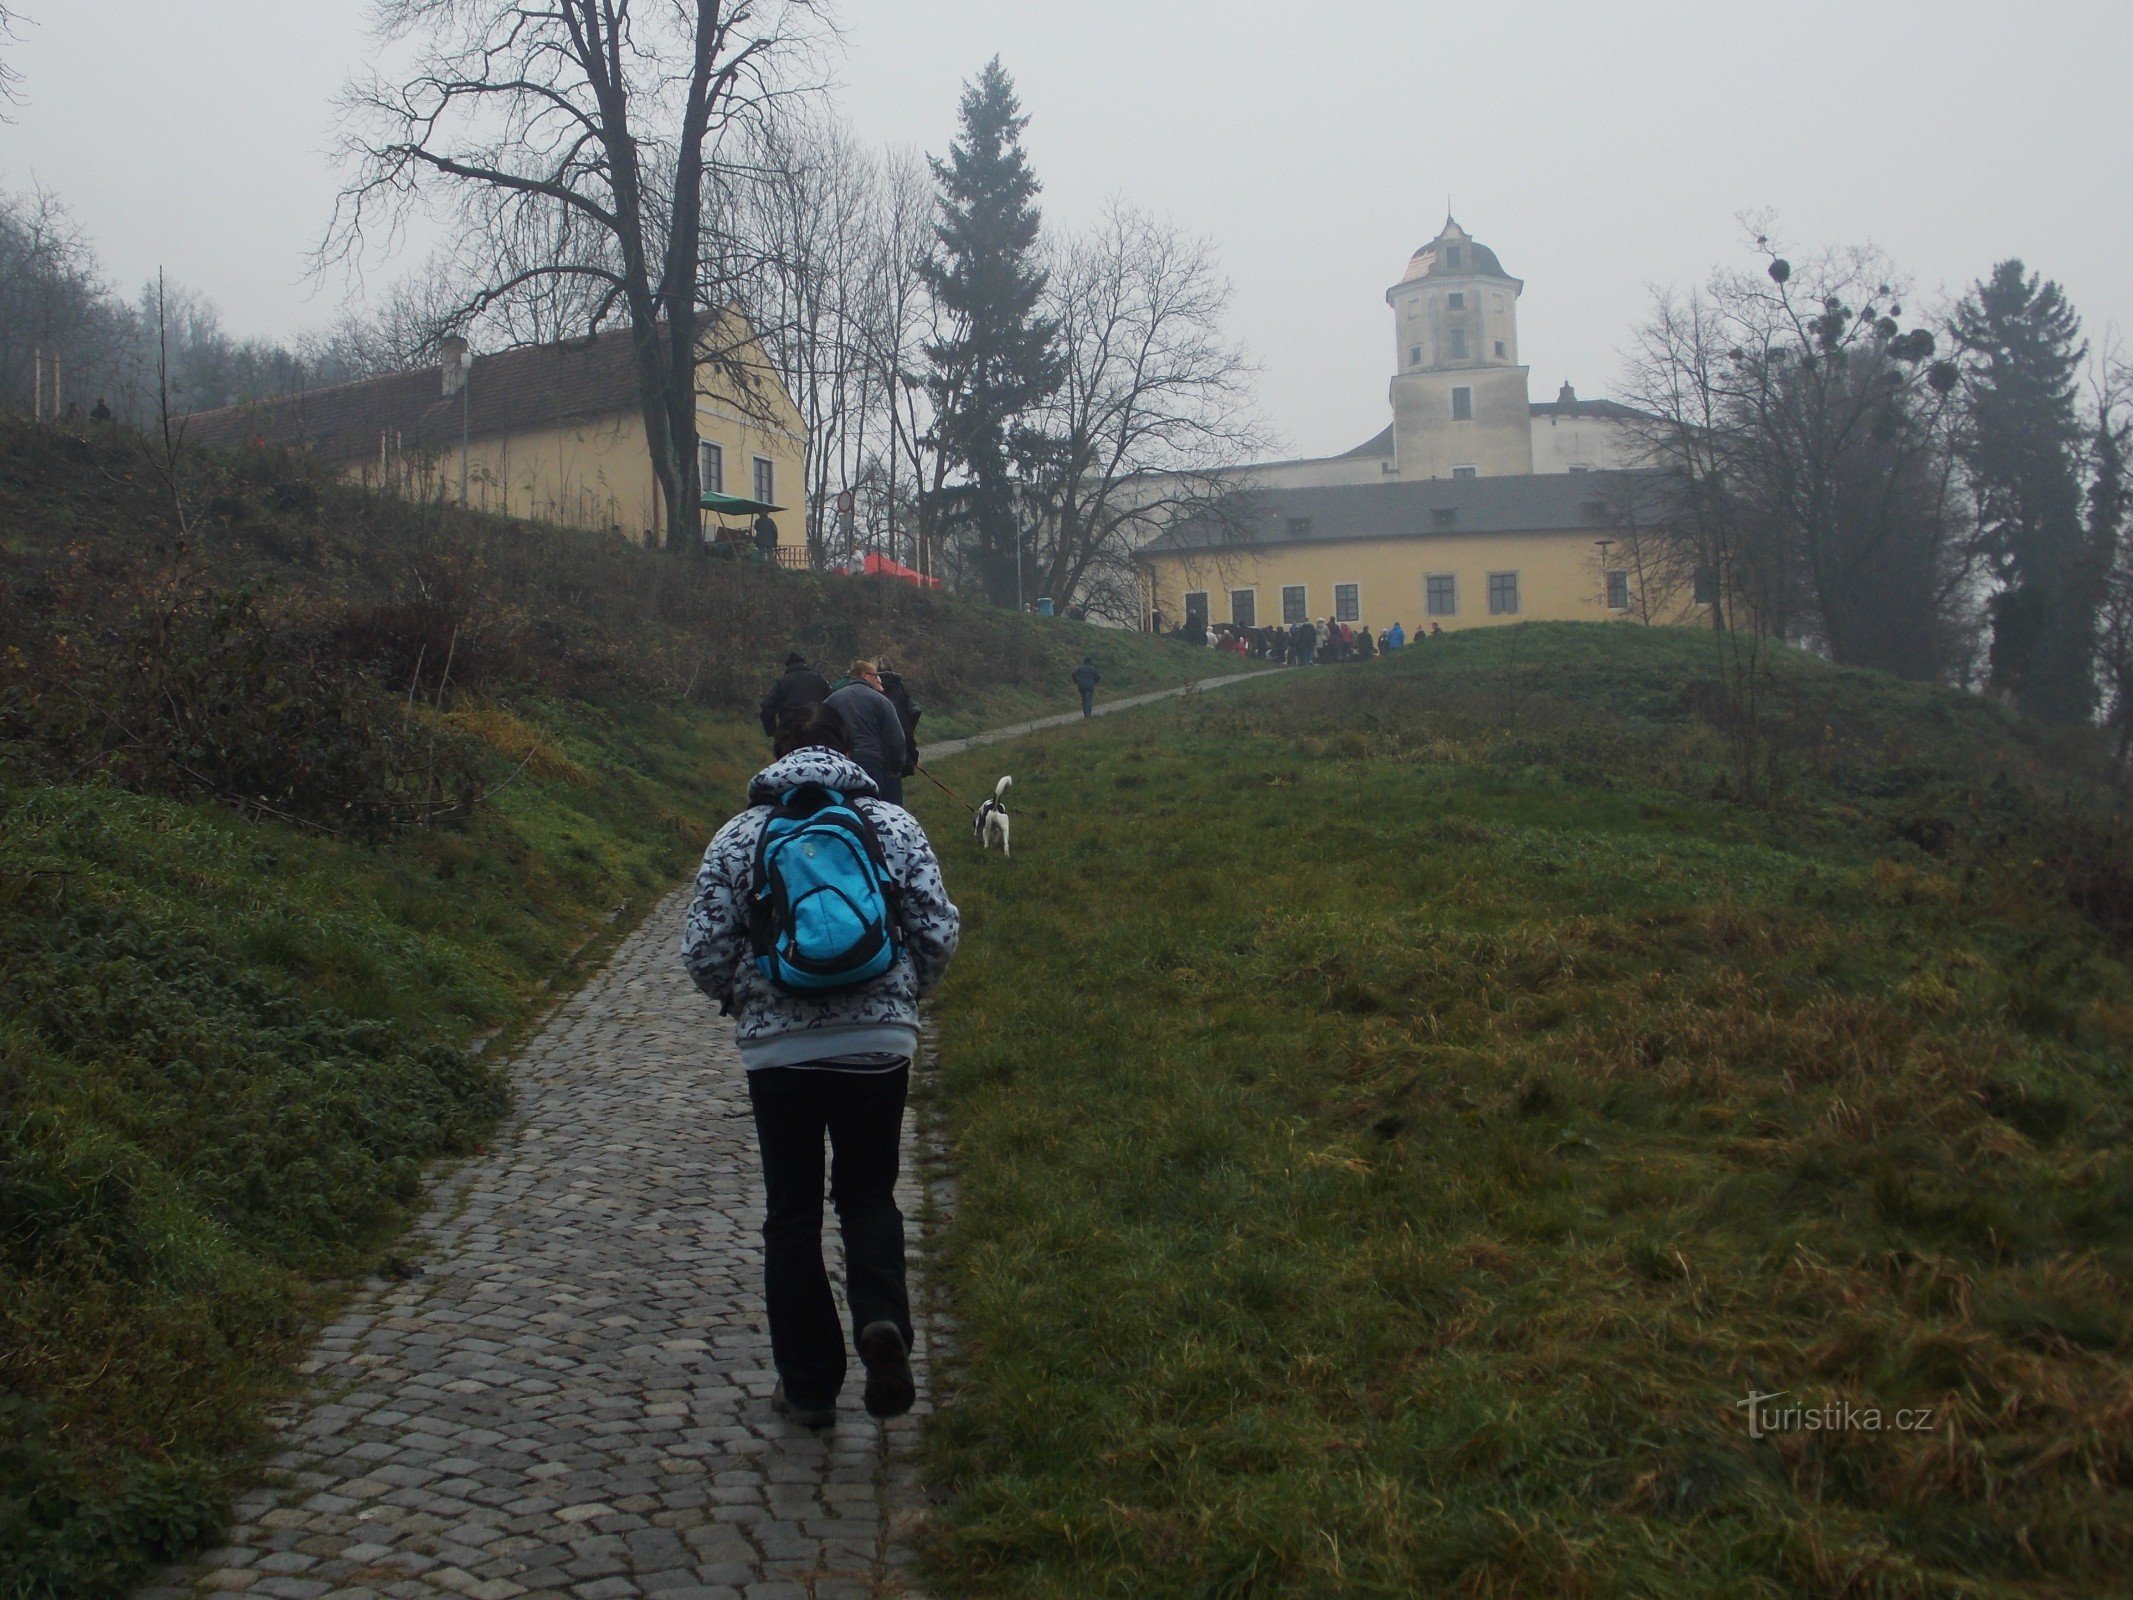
1599 148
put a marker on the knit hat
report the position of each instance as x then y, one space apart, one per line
795 659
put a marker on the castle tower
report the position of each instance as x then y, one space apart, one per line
1459 397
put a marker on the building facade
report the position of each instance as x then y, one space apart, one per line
551 433
1474 506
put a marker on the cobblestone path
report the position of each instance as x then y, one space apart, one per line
572 1397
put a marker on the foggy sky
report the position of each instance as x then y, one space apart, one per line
1599 149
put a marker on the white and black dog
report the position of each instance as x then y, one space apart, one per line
991 820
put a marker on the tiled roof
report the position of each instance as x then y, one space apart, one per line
1551 502
508 392
1612 410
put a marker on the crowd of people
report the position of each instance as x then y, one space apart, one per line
1302 644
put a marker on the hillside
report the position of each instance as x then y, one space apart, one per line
301 792
1402 1111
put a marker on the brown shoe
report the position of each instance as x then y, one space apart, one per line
807 1416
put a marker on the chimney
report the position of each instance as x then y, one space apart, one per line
455 359
1569 396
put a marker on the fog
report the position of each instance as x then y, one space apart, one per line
1599 150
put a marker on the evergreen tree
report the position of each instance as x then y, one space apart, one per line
997 359
2022 445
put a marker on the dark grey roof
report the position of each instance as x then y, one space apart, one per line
1551 502
534 386
1480 262
1377 445
1613 410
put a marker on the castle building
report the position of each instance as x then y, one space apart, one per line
1474 505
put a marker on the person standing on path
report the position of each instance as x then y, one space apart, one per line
907 714
876 730
831 1062
1085 679
800 686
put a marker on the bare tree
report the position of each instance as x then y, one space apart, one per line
1154 409
576 141
10 79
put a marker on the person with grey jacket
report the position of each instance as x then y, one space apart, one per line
835 1063
877 731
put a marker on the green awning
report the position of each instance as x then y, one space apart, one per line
734 503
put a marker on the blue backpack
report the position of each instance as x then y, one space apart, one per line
822 906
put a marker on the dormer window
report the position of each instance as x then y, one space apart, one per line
1452 261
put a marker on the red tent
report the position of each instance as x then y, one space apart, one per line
877 563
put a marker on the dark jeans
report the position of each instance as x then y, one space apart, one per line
1088 702
863 1114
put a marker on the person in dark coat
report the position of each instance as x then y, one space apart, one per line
801 686
766 536
877 732
1085 677
892 685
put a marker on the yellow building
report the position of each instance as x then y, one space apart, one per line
1449 552
1475 506
553 433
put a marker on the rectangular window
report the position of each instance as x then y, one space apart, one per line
1503 594
1456 300
1196 607
1347 603
1441 592
1298 527
1414 355
1452 258
1294 607
1244 608
766 486
710 467
1502 349
1466 472
1457 337
1462 404
1618 589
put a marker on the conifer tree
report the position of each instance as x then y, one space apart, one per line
2022 447
996 359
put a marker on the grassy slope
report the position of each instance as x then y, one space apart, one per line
1400 1112
228 1049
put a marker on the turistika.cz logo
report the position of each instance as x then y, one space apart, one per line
1766 1416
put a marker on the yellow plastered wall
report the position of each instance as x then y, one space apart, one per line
597 473
1559 579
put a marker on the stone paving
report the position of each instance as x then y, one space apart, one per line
571 1397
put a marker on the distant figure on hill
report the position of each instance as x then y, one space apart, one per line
826 1037
1365 649
1303 643
798 688
1395 638
1085 677
877 731
766 536
1435 628
100 412
907 713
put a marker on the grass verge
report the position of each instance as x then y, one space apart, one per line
1400 1113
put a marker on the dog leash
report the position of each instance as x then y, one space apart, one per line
950 793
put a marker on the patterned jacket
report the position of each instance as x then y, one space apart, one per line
779 1029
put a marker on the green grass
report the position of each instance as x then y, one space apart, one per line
229 1049
1400 1110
